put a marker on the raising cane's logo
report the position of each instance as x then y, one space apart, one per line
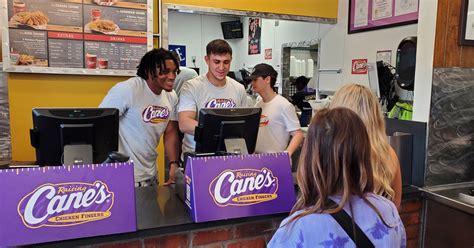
244 187
264 120
359 66
220 103
66 204
155 114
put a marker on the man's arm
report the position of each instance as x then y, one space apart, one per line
296 139
171 141
187 121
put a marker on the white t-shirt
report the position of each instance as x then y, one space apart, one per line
199 93
144 117
277 121
184 75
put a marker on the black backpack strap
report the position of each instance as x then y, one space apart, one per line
345 221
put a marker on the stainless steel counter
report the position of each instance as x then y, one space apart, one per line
450 194
448 218
159 207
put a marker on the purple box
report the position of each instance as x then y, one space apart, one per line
225 187
57 203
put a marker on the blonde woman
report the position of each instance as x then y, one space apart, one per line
386 167
336 206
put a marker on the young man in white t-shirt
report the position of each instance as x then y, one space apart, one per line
147 109
279 126
212 90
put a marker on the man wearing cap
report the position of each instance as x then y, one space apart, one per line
212 90
279 126
301 99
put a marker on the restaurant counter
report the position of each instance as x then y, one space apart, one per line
160 212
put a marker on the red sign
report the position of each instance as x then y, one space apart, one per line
109 38
63 35
268 53
359 66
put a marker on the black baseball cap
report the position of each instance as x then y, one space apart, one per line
301 80
263 70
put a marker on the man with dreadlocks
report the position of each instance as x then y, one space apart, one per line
147 109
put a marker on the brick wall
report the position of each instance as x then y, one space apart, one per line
255 234
250 234
411 216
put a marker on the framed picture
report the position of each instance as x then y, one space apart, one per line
366 15
466 34
384 55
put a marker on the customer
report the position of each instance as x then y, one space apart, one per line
278 122
212 90
147 109
336 180
387 175
301 99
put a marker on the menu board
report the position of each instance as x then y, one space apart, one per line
76 36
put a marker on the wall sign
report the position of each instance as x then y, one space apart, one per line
255 33
359 66
180 51
58 203
268 53
365 15
96 37
385 56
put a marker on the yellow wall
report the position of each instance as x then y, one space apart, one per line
313 8
27 91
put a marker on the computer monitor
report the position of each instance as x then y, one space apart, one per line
232 29
227 130
74 135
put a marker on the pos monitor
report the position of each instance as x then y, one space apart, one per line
227 130
74 135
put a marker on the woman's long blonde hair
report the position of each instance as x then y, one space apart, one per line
363 101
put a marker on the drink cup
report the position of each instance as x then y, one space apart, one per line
91 61
96 14
14 58
19 6
103 63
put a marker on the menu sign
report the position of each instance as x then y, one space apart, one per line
76 36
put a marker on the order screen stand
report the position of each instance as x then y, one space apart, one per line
236 146
77 154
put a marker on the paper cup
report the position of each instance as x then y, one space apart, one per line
19 6
103 63
91 61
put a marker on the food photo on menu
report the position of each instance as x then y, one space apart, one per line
34 19
114 20
102 26
50 15
105 2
